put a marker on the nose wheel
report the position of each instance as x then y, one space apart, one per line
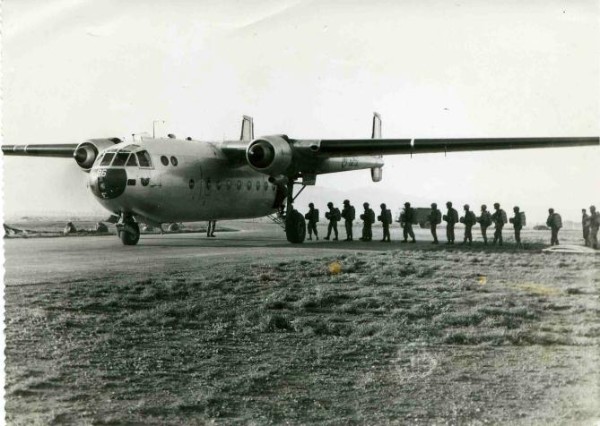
129 231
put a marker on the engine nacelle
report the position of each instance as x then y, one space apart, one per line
271 155
86 152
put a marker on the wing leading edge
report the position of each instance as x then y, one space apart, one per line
66 150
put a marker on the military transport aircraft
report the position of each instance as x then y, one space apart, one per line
162 180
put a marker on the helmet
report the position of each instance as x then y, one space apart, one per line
466 207
407 204
311 205
516 208
433 205
382 205
365 204
483 207
550 210
346 202
330 204
449 204
497 205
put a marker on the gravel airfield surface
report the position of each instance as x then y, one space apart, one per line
246 328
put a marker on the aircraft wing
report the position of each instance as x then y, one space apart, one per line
352 147
66 150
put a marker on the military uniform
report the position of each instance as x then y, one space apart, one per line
434 218
554 222
468 220
348 214
517 222
386 220
334 216
484 220
451 218
594 226
407 218
585 224
312 218
499 219
368 217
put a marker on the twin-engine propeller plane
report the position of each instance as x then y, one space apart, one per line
162 180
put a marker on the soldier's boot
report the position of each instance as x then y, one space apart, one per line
413 241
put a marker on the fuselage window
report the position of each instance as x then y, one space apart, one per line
219 185
164 160
132 161
266 185
121 159
208 183
174 161
239 185
228 184
144 159
249 185
258 185
273 187
107 159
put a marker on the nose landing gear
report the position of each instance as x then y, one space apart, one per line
295 227
128 230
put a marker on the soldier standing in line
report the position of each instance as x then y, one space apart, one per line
594 226
434 218
386 220
451 217
407 217
368 218
499 219
334 216
312 217
585 224
554 221
348 214
469 220
484 220
517 222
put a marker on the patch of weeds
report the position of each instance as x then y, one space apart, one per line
575 290
460 319
424 310
536 338
275 322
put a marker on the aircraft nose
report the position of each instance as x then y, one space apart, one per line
109 183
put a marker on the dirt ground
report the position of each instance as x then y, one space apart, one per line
410 335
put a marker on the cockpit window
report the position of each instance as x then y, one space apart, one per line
107 159
121 159
132 161
144 159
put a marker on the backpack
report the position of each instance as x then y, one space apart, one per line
351 215
387 218
503 216
435 217
485 219
557 220
371 216
336 214
523 218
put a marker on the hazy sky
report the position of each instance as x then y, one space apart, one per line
74 70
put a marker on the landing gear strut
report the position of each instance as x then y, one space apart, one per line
128 230
295 227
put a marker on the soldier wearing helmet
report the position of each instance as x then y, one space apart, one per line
484 220
348 213
594 226
451 218
468 220
386 220
434 219
368 218
334 216
407 219
499 219
517 222
554 222
312 218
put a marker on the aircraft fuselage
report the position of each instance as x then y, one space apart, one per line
171 180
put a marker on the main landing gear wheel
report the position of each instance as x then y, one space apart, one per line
129 233
295 227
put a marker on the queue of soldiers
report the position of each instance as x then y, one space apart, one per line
590 223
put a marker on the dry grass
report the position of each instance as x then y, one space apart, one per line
392 335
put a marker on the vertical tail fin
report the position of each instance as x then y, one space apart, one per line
376 172
247 129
